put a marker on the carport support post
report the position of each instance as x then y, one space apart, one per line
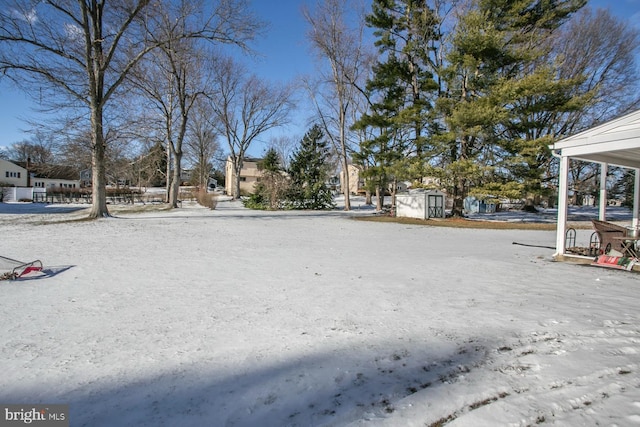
561 227
602 214
636 197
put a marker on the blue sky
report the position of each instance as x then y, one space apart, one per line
284 55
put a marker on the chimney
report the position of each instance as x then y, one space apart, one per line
28 172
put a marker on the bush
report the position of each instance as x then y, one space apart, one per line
206 199
255 201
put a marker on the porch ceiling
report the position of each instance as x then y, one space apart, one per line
616 142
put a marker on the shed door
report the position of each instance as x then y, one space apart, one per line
436 206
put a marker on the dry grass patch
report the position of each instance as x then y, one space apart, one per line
465 223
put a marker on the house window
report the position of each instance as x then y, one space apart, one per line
243 179
6 174
18 174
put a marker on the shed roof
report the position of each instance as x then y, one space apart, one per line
616 142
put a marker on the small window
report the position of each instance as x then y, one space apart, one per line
18 174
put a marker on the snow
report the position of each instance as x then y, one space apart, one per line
234 317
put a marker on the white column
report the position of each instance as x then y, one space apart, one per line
563 192
602 214
636 197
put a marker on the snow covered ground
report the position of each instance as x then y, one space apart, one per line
232 317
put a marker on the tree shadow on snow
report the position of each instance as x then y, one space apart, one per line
338 387
37 208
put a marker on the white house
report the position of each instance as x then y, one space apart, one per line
21 183
53 177
12 174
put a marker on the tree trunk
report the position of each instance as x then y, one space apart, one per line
458 202
367 198
174 192
345 158
379 198
237 167
98 179
345 182
394 191
168 172
529 205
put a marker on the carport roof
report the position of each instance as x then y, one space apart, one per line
616 142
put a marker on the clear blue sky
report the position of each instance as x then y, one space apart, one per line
285 55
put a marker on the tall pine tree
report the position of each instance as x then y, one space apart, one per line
401 93
309 172
406 31
502 90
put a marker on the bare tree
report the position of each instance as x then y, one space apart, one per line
245 107
283 145
37 149
603 50
202 142
170 80
341 47
80 52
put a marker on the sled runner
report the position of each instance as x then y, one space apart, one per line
13 268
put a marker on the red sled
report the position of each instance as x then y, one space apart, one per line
18 268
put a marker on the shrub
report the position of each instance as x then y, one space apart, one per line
255 201
206 199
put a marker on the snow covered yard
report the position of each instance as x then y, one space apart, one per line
232 317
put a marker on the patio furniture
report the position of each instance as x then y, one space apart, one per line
629 246
611 236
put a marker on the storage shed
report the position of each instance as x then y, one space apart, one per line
421 204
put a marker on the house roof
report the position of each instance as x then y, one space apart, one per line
5 163
52 171
616 142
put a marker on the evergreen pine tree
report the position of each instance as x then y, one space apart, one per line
406 31
272 186
309 172
504 91
401 93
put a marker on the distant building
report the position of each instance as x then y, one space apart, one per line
26 181
185 176
13 174
356 183
52 176
249 176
